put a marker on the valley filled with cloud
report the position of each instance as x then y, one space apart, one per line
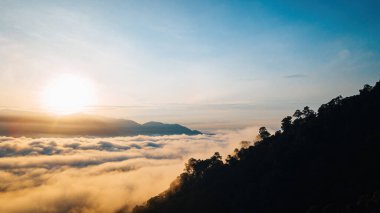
99 174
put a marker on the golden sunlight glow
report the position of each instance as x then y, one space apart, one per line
68 94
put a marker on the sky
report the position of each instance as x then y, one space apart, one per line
206 64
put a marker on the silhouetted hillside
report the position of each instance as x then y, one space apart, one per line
319 162
31 124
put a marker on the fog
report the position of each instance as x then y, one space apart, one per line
99 174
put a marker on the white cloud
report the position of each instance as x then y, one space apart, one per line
98 174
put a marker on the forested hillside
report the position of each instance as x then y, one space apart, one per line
324 161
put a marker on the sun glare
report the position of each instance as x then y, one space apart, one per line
68 94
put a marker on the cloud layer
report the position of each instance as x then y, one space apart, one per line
98 174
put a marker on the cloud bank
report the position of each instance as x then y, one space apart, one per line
86 175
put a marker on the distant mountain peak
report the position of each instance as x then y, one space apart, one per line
31 124
153 123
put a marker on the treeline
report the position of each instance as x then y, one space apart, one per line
324 161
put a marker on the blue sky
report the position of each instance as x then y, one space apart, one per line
236 63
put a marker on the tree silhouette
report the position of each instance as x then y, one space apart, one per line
366 89
325 162
286 123
298 114
263 132
308 113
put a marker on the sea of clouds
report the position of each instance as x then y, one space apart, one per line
83 175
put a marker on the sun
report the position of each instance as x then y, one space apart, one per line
68 94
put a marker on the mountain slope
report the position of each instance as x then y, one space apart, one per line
30 124
321 162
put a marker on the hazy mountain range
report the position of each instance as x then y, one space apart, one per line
32 124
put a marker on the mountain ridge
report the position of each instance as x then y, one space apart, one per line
320 162
34 124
